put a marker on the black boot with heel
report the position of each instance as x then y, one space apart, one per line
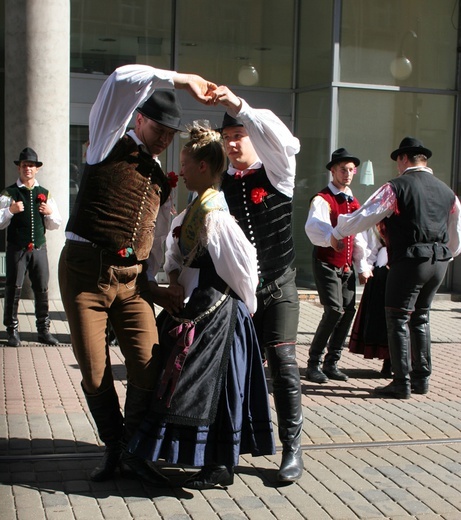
286 386
105 410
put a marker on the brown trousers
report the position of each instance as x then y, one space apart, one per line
97 286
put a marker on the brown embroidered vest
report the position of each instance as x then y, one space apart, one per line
119 199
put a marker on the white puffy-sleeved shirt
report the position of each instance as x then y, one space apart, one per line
382 204
52 221
127 88
275 145
234 257
319 229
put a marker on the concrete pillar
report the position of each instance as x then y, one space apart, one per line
37 58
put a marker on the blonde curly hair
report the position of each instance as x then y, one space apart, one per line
206 144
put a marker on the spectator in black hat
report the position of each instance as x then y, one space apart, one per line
422 220
102 269
334 272
259 186
27 210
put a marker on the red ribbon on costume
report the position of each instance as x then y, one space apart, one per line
184 335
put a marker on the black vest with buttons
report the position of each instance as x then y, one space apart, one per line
266 221
418 228
28 226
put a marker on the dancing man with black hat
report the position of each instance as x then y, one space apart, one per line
27 209
334 272
102 269
422 220
259 188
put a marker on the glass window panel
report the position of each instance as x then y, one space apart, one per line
315 56
235 36
313 130
399 42
372 124
108 33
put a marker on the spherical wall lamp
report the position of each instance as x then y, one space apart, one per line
401 67
248 75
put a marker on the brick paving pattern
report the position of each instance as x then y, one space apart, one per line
365 457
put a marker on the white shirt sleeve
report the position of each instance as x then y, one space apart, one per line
318 224
234 257
54 220
189 276
122 92
275 145
379 206
454 229
360 253
5 213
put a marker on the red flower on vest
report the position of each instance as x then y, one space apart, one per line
172 179
258 194
41 197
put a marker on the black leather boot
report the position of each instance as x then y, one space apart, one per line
314 374
398 339
286 386
335 346
386 370
324 330
209 477
396 389
332 372
10 315
43 319
137 406
420 335
105 410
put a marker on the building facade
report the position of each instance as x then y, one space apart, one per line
355 73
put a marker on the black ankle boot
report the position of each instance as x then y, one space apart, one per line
13 338
108 464
315 375
420 386
134 467
45 337
395 390
333 372
209 477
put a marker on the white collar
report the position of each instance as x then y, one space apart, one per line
255 166
335 190
419 169
20 184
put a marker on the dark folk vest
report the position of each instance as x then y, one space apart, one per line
419 226
265 215
338 206
118 201
28 226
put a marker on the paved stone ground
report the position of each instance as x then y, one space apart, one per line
365 457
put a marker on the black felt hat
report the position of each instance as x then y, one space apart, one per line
227 121
340 155
411 145
163 107
28 155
